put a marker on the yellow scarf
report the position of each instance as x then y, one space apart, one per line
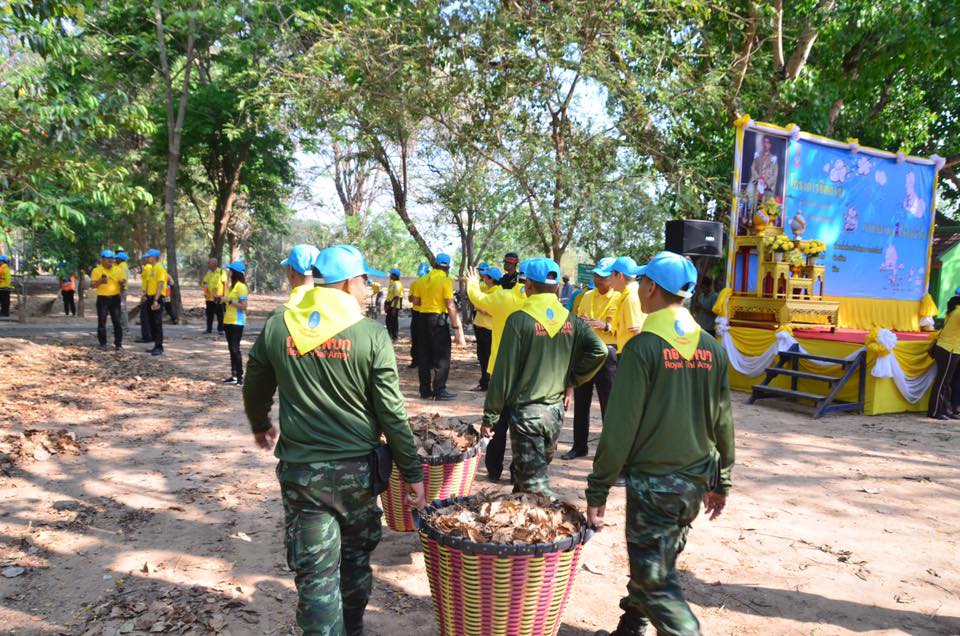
296 295
321 314
547 310
677 327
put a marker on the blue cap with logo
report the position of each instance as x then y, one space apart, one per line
442 260
672 272
423 269
107 254
341 262
152 252
237 266
494 273
395 272
483 267
542 270
603 266
621 264
301 258
120 256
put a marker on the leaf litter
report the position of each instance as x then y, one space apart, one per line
509 519
436 437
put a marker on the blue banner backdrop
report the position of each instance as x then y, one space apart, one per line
873 213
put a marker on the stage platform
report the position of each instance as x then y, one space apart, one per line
881 394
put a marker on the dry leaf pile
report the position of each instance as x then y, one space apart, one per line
515 519
436 437
36 444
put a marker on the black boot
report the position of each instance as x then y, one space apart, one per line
353 622
624 628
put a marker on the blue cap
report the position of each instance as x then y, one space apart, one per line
672 272
301 258
395 272
957 291
494 273
120 256
603 267
442 260
340 262
422 269
483 267
152 252
4 259
542 270
591 285
238 267
107 254
622 264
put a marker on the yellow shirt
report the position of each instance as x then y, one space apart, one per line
124 270
214 284
483 319
154 279
233 315
629 318
6 276
415 293
112 286
949 337
603 307
395 294
435 290
375 288
499 303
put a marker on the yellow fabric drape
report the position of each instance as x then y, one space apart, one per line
720 307
752 342
928 308
867 313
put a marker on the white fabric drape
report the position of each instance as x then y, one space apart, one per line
911 388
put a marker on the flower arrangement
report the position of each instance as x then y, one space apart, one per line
813 248
778 243
771 208
796 257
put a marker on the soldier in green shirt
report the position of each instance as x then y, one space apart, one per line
544 353
339 391
668 421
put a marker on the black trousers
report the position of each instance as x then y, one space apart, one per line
940 392
168 307
155 318
109 305
146 329
393 322
583 398
493 455
214 310
484 344
414 338
433 358
5 302
234 333
69 304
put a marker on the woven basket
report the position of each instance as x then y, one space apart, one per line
483 589
446 476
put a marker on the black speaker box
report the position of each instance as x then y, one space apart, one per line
694 238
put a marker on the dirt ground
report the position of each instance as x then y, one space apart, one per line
132 500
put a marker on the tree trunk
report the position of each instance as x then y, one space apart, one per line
226 197
80 289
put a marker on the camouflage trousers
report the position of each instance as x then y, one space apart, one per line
332 525
659 513
534 430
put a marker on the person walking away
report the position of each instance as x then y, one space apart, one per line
68 289
6 285
121 262
422 270
511 274
106 280
394 304
234 319
155 284
545 352
566 291
339 391
629 318
438 313
669 423
375 292
146 331
168 300
214 286
500 304
483 321
946 353
701 305
597 310
300 273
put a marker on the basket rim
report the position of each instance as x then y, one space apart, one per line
453 458
494 549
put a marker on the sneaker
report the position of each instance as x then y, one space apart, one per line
208 331
102 347
230 380
156 352
117 347
239 381
444 396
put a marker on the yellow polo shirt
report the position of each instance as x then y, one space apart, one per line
154 279
234 315
482 319
435 290
112 286
949 337
603 307
124 270
629 315
214 284
395 294
6 276
415 293
499 303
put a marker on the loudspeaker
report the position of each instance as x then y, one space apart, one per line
694 238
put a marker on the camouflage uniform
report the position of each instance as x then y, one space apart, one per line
332 525
534 430
660 510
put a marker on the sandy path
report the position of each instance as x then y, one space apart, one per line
168 515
